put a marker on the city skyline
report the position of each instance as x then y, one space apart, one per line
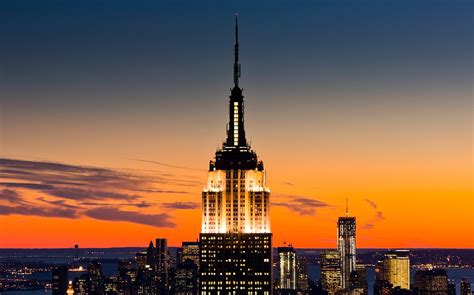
91 171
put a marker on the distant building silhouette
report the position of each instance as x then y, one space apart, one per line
76 252
427 282
358 282
91 283
381 285
60 280
153 269
162 265
465 287
141 259
186 278
95 278
302 281
126 278
451 287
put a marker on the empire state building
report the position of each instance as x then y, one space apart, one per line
235 239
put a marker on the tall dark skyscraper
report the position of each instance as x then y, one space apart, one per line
60 279
162 261
465 286
235 239
346 245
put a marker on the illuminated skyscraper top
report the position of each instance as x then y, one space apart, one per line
236 198
396 268
346 244
236 241
235 152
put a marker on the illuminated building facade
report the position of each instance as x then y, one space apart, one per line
330 271
346 245
434 281
141 259
185 278
95 277
70 290
188 251
301 274
235 239
126 277
396 268
162 265
287 260
358 282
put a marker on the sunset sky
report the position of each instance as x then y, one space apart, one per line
111 110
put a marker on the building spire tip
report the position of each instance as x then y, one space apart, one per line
236 53
347 206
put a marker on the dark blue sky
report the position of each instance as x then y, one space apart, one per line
104 47
169 64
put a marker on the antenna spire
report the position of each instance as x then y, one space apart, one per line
347 206
236 52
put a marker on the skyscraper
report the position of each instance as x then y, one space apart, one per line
188 251
126 276
358 282
161 263
287 260
60 280
346 245
330 271
434 281
381 286
396 268
141 259
465 287
185 278
302 274
96 279
235 239
452 287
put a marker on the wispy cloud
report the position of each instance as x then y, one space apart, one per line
371 203
38 211
19 206
302 205
168 165
181 205
82 194
115 214
72 191
141 204
10 196
42 175
377 215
